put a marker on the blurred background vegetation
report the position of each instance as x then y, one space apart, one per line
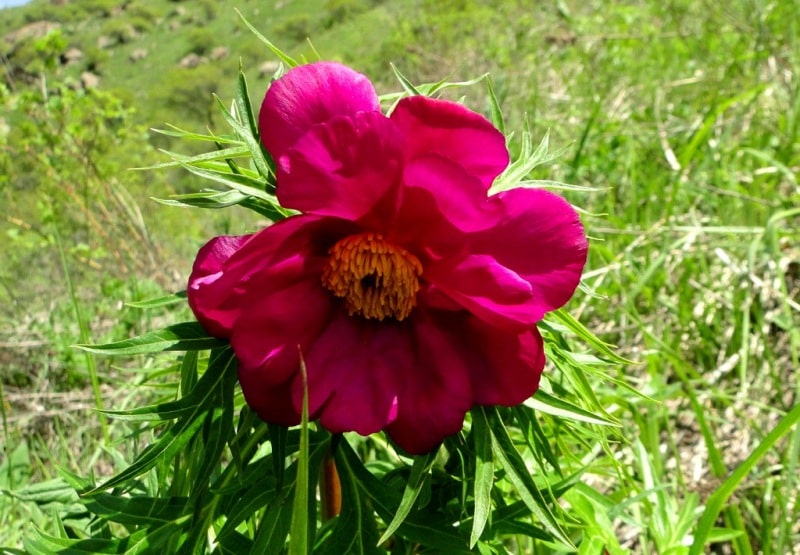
682 115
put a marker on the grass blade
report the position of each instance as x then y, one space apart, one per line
298 533
717 499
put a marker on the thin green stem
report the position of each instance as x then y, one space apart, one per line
85 339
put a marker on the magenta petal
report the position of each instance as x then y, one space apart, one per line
541 239
308 95
344 168
269 260
215 307
356 370
512 363
277 324
272 404
454 132
437 392
488 290
440 203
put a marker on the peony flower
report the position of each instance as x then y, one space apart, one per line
412 294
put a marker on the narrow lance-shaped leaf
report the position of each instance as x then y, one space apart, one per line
198 396
260 157
518 474
169 444
179 159
421 526
419 470
404 82
494 105
188 336
484 475
175 298
244 131
548 404
288 60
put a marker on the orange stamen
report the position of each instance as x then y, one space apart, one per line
375 278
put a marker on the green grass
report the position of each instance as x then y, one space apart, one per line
683 115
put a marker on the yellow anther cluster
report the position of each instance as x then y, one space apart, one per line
375 278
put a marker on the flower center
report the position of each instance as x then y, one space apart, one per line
375 278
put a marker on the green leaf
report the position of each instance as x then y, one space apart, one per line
136 511
188 336
189 373
528 160
179 160
199 395
548 404
494 105
176 131
421 526
518 474
419 471
276 521
275 50
593 509
274 526
243 103
573 325
215 200
39 543
171 442
250 132
235 544
175 298
299 528
154 540
250 186
56 490
219 423
407 85
484 475
244 131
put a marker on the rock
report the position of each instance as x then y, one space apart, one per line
71 56
104 42
192 60
90 80
219 52
137 55
268 68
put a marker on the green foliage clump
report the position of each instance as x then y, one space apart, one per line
120 31
337 11
101 8
296 28
142 11
201 40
